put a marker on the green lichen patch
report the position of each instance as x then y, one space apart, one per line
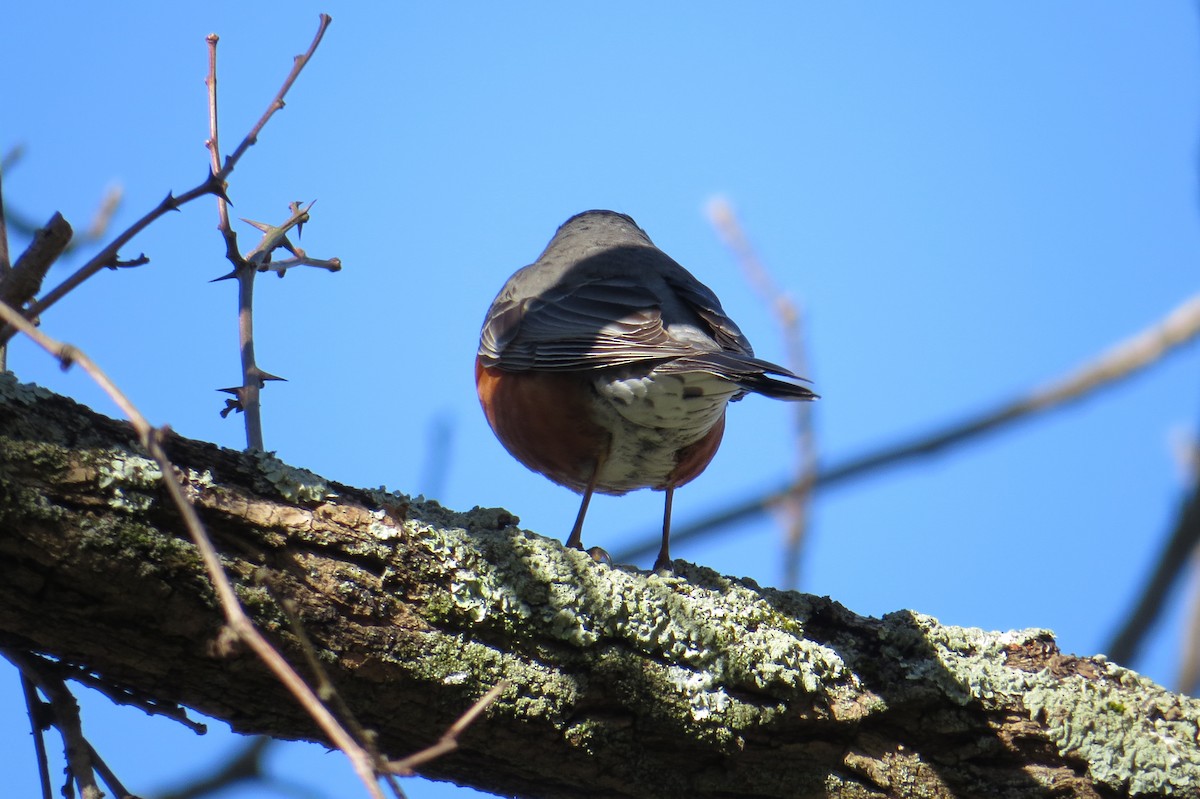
716 634
293 484
1153 748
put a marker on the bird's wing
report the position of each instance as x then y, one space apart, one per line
599 322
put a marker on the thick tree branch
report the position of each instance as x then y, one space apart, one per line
620 684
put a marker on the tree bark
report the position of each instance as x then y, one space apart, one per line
622 683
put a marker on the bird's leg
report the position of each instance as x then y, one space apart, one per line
663 561
575 539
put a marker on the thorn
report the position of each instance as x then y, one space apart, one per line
232 275
263 226
141 260
169 202
231 406
268 376
236 391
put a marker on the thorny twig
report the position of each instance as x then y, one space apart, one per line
214 183
236 620
1122 360
247 395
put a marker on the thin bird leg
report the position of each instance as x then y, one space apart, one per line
663 561
575 539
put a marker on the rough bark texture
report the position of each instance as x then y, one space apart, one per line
623 684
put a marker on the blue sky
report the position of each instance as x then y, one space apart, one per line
967 199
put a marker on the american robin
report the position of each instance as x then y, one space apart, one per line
606 366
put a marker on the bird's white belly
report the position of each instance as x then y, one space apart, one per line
651 418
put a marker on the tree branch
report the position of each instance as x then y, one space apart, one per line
622 684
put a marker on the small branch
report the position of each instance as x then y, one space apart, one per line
105 211
449 741
1179 550
24 280
281 267
1123 360
325 687
5 263
277 103
791 323
246 765
38 724
235 616
106 774
65 718
213 184
214 144
130 696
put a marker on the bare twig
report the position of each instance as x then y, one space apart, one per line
65 709
106 774
325 687
38 724
791 323
1179 549
246 765
214 184
237 622
24 279
245 269
281 267
1123 360
124 695
1189 656
449 740
5 263
105 211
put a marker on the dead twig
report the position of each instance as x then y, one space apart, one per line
38 723
24 279
1180 549
125 695
449 740
791 323
247 396
236 620
81 763
214 183
1121 361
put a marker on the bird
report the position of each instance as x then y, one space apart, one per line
607 367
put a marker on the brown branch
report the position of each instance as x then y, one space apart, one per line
5 263
38 724
65 709
449 740
214 184
1175 555
277 103
24 280
623 684
1121 361
790 319
238 623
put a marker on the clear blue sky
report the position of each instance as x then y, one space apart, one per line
967 199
